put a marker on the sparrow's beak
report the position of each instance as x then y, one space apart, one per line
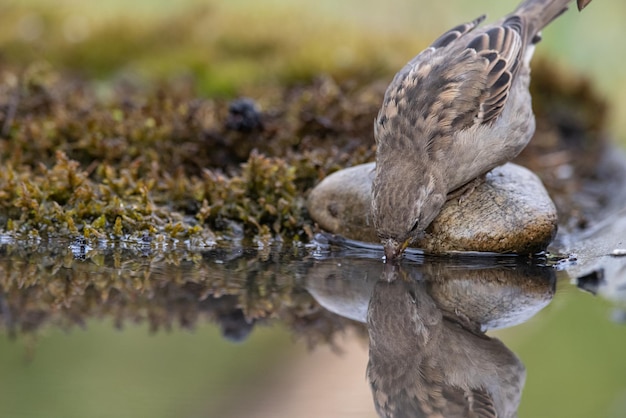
394 249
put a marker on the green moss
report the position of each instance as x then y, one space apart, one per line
164 161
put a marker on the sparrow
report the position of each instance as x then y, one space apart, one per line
457 110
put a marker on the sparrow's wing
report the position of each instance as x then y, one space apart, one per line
456 32
462 80
503 48
443 40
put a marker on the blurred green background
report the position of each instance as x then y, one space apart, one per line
573 353
104 372
230 45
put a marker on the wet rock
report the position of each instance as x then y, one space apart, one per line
510 212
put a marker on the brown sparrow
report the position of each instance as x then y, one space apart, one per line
457 110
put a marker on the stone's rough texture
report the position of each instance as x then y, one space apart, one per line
510 212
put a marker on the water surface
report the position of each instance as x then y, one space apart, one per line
138 330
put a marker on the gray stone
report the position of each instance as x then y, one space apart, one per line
510 212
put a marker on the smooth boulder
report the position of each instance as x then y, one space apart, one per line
511 212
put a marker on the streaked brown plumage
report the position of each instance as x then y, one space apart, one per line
457 110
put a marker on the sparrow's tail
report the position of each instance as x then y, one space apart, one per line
539 13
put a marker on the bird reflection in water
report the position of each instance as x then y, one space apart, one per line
426 362
429 355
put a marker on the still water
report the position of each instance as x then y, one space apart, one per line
147 330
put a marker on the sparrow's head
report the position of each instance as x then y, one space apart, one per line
404 203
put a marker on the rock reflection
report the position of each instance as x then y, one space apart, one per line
429 354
